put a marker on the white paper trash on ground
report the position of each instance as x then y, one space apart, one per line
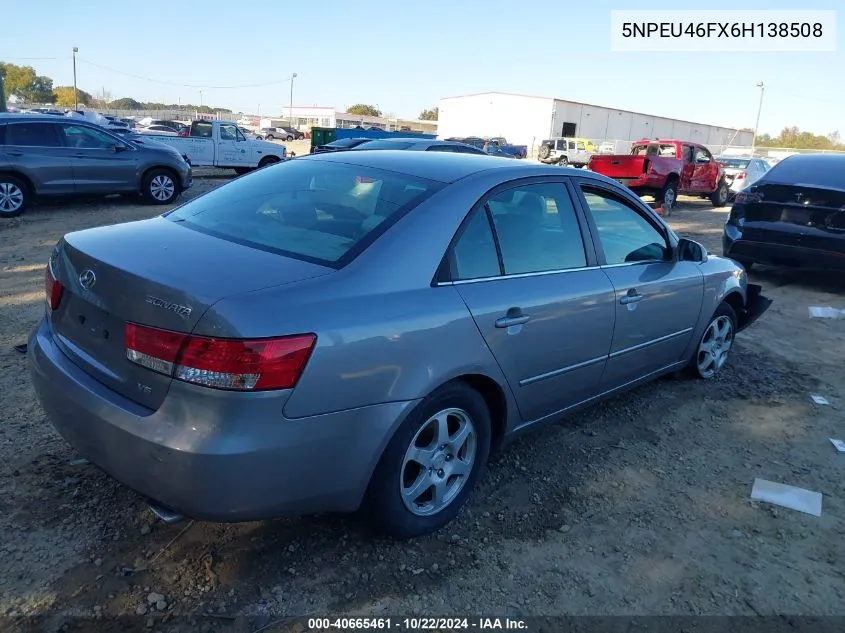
839 444
817 312
791 497
819 399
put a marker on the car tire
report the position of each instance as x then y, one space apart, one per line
401 497
289 137
269 137
14 196
160 186
669 194
544 152
240 171
713 348
267 160
563 162
719 198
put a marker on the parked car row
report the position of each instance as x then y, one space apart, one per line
412 144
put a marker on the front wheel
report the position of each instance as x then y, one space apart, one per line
719 198
563 162
160 187
269 137
715 344
432 463
240 171
267 160
289 137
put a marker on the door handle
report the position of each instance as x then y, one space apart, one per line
512 319
80 155
15 153
631 297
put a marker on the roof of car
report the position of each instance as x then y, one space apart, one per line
816 159
38 118
439 166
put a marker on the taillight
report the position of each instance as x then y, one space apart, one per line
237 364
741 175
52 289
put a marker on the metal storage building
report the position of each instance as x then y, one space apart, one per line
528 120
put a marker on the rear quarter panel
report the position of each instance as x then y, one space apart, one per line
372 348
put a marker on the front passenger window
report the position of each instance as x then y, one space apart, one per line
625 235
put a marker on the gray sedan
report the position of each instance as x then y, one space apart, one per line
365 328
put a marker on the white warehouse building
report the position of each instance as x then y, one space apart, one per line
527 120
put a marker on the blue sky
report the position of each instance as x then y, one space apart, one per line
403 56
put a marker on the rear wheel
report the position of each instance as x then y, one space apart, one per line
289 137
160 187
669 194
719 198
269 137
432 463
14 196
715 344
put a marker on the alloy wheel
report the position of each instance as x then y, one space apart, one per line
438 462
162 188
11 197
715 346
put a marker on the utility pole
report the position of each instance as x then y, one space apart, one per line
290 112
75 98
759 109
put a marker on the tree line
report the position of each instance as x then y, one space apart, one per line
795 138
23 83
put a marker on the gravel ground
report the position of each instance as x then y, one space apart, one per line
637 506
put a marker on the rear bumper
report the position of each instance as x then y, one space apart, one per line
214 455
768 254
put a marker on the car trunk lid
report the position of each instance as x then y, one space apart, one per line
154 273
798 214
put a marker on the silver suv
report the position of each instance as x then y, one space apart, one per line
44 155
564 151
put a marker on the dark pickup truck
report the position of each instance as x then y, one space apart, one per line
665 169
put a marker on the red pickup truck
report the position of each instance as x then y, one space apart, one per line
666 168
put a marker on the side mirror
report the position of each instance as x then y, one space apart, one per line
691 251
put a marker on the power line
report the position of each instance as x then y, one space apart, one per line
181 85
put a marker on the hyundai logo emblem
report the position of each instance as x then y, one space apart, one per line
87 278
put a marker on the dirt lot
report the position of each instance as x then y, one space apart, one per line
639 506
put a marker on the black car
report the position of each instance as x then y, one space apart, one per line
794 215
340 144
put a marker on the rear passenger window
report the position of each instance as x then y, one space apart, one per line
32 135
537 229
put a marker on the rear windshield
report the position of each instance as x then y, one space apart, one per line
820 171
318 211
734 163
384 145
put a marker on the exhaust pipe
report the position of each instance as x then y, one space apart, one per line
166 514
